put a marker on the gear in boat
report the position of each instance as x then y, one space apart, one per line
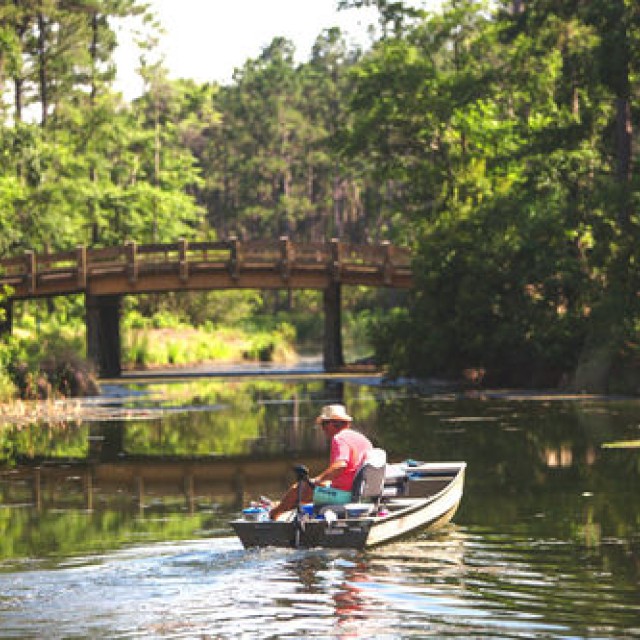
388 501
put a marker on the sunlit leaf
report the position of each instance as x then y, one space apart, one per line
622 444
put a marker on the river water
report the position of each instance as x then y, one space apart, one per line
116 525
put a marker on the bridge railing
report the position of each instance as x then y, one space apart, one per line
62 272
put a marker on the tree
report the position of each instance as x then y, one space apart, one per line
269 163
495 132
600 79
89 168
394 14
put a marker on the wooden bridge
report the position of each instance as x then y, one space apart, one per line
104 275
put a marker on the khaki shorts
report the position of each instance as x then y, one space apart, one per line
329 495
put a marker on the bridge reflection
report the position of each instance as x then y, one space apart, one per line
146 481
110 475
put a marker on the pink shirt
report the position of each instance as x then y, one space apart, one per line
350 446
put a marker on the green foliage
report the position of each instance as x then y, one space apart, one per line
90 170
271 346
44 356
8 389
196 308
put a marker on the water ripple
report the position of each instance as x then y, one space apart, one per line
460 584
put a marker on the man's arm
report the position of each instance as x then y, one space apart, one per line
331 472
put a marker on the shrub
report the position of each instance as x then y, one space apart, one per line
27 372
8 390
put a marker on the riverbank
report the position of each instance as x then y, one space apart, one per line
23 412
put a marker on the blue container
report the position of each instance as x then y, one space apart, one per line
255 513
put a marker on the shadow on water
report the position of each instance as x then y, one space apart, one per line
116 525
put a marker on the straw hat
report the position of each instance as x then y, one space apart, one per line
333 412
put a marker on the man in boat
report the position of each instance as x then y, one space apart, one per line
333 485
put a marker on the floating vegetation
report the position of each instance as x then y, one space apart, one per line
622 444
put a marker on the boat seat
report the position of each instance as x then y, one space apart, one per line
369 479
368 484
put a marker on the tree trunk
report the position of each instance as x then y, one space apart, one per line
18 82
93 51
42 68
624 135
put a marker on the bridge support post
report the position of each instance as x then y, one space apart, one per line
332 351
103 333
106 442
6 318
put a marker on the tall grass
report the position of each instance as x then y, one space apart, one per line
183 345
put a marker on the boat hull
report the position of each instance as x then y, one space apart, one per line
404 515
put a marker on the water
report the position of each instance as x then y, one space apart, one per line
120 529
